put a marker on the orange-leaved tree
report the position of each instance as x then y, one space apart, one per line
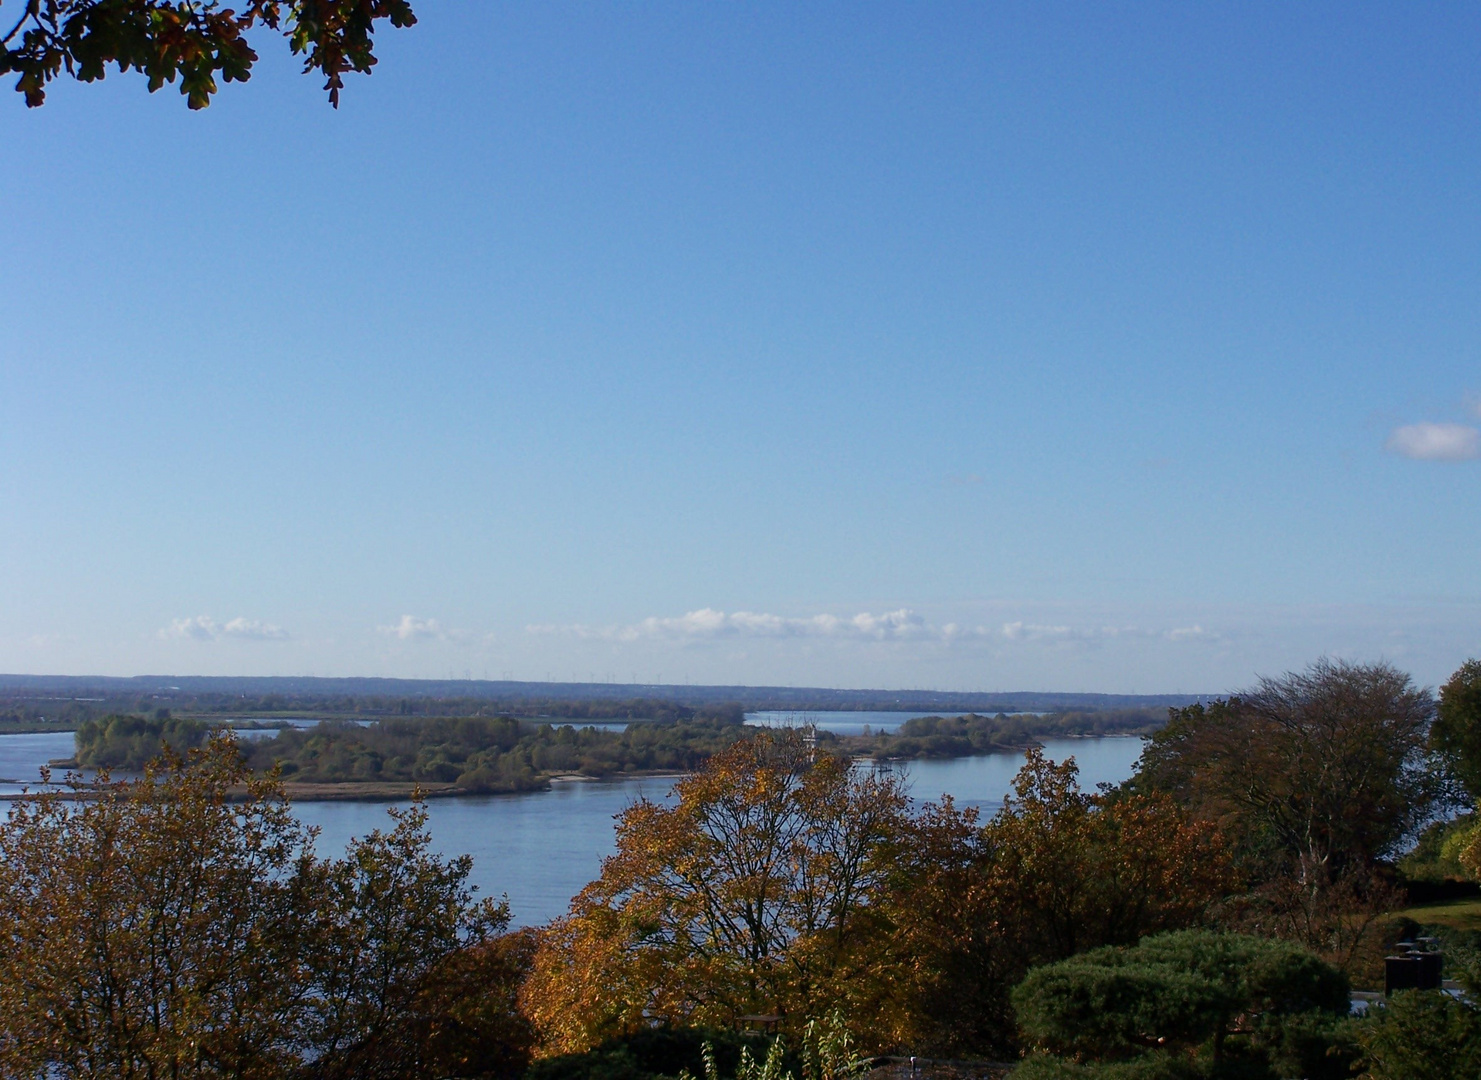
746 896
971 908
181 926
1082 870
154 928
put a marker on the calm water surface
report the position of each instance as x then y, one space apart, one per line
983 781
540 848
21 756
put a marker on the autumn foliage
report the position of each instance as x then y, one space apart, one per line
749 896
1315 778
975 906
193 41
182 926
784 883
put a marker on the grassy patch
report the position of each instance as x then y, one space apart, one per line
1456 914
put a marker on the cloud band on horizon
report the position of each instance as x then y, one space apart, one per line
900 625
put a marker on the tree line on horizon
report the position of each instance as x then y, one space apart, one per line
36 703
21 709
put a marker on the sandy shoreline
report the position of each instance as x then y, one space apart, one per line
395 790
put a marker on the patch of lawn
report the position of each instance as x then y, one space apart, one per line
1462 914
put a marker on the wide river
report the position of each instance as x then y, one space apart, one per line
540 848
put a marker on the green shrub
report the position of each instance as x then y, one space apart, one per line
1190 1003
1421 1035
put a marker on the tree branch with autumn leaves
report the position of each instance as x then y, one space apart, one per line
192 41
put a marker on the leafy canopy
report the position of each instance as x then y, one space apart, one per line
131 742
784 881
1421 1033
192 40
1456 734
747 897
1056 871
1329 766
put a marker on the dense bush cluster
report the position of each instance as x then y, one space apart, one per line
1195 1002
478 754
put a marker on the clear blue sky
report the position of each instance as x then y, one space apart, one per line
1080 347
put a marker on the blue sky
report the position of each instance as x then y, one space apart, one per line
1123 348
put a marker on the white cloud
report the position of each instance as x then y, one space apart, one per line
1188 633
707 623
205 628
1022 631
411 628
1435 442
901 625
253 630
199 627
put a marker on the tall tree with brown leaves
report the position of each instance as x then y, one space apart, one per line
155 928
181 926
1055 872
1314 777
1330 765
747 896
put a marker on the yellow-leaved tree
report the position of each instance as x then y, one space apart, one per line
180 925
747 896
1057 870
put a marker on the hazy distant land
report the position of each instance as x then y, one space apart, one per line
56 696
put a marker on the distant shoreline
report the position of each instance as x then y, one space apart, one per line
369 697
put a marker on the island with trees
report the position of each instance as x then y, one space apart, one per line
973 734
479 754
